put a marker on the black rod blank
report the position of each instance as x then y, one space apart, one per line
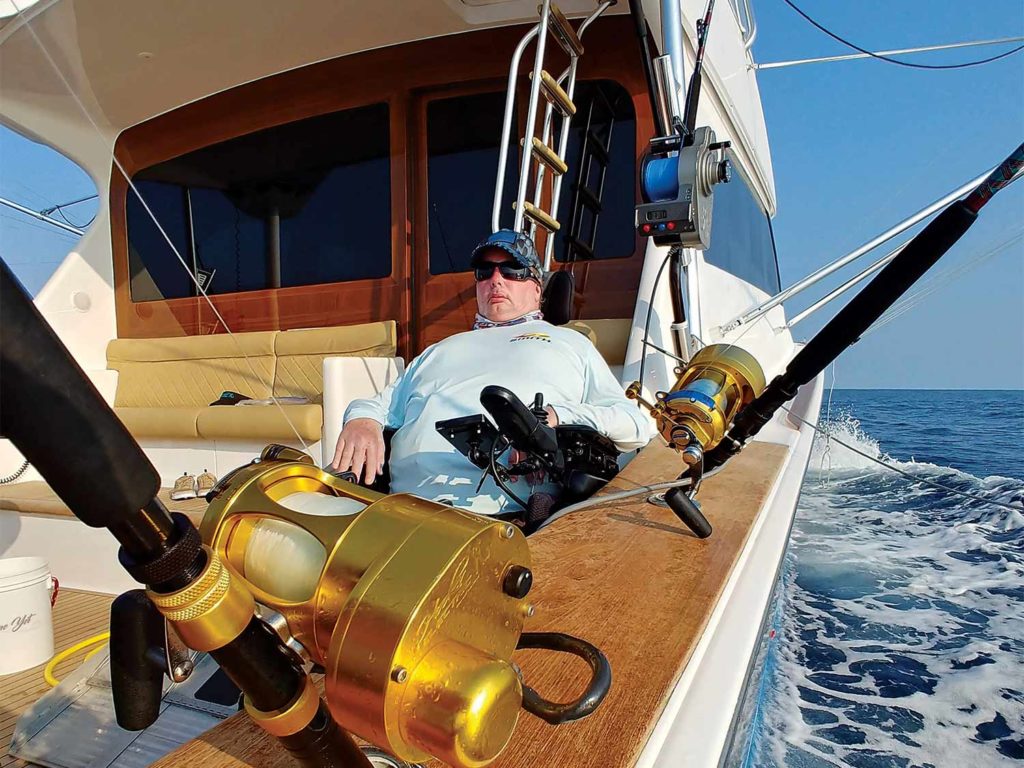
55 416
920 254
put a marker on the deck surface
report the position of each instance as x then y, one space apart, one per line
76 616
627 577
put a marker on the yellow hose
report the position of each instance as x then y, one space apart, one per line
48 670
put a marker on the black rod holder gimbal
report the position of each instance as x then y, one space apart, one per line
55 416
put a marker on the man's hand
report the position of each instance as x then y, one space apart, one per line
360 447
534 478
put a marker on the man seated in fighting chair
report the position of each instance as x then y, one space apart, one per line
511 345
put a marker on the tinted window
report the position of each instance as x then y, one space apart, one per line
463 137
314 194
741 236
597 203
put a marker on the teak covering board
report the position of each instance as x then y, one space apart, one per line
628 578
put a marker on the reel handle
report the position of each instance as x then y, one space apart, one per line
600 680
688 512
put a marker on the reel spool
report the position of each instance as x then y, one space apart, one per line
413 608
694 416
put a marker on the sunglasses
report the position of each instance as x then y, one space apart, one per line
509 270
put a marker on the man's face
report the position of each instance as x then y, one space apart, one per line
500 299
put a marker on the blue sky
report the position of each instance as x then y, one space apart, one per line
857 146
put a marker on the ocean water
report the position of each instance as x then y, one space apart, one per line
899 628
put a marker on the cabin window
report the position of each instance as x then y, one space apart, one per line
463 138
300 204
597 201
742 242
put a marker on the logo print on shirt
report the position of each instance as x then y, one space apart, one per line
532 337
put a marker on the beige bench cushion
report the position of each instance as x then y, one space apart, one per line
260 422
174 422
191 370
609 336
300 354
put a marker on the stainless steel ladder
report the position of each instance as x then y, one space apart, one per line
537 152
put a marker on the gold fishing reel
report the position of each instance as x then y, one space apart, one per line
696 413
413 608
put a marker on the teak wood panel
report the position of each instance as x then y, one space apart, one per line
76 616
627 577
397 76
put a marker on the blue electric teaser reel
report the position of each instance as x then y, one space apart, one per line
677 183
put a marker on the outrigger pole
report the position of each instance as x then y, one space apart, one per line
54 415
919 255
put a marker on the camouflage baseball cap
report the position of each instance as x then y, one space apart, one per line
517 245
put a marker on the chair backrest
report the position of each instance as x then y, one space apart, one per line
557 300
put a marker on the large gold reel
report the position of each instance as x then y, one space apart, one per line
717 382
405 602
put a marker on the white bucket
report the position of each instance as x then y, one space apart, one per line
26 619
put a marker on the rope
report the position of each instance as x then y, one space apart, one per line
908 475
891 60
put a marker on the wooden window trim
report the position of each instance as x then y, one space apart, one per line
392 75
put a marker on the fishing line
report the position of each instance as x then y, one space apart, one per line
117 162
908 475
611 498
939 281
825 455
891 60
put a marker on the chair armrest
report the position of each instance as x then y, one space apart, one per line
347 379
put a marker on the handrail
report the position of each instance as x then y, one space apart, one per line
506 128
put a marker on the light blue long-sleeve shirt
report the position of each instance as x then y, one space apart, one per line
445 381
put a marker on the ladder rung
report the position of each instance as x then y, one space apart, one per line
579 245
553 92
543 218
564 33
597 147
549 157
589 199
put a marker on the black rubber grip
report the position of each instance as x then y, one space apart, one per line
688 512
136 681
53 414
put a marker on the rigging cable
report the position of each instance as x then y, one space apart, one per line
650 309
891 60
28 24
910 476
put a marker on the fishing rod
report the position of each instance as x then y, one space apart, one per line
113 485
336 577
919 255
